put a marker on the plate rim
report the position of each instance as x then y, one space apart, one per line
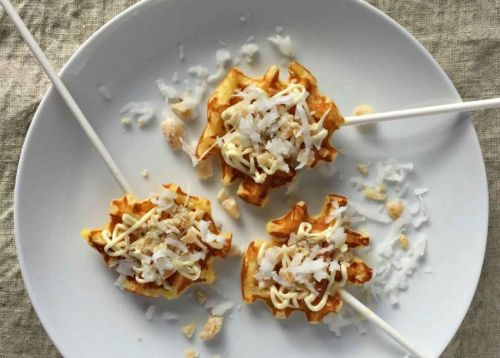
142 3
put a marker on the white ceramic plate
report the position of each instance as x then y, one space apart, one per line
360 56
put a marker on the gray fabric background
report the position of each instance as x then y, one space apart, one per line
463 35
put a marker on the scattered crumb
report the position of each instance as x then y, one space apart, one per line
395 208
211 328
377 193
362 168
250 38
222 43
173 131
188 330
145 174
362 109
191 353
239 307
126 121
204 169
279 29
236 250
404 242
243 19
222 195
201 297
231 207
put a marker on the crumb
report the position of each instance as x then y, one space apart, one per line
211 328
362 109
362 168
243 19
239 307
139 339
279 29
204 169
191 353
395 208
201 297
145 174
404 242
188 330
377 193
173 131
222 195
236 250
231 207
126 121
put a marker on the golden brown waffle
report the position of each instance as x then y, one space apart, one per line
178 283
280 229
223 97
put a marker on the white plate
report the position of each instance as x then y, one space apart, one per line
360 56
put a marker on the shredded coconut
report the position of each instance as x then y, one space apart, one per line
169 316
222 308
166 91
249 51
104 92
199 72
150 312
283 44
142 112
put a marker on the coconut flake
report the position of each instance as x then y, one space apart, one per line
369 212
391 170
166 91
420 191
182 56
169 316
143 112
150 312
198 71
222 308
104 92
248 52
283 44
421 215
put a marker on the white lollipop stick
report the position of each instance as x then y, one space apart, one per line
63 91
42 59
423 111
383 325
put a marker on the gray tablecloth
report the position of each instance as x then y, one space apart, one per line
463 35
